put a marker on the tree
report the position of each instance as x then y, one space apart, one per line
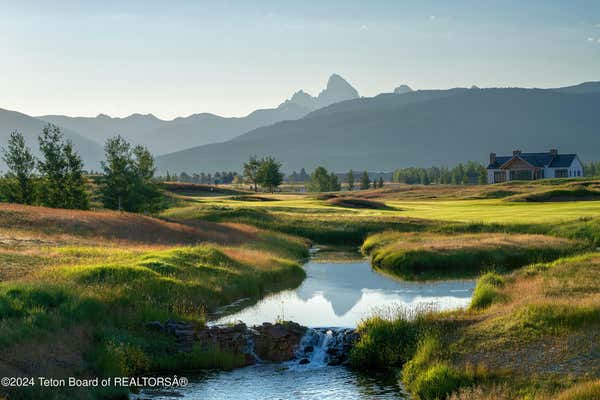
76 194
128 181
269 173
350 180
380 182
251 168
117 180
20 186
53 166
319 180
334 184
146 194
365 182
303 176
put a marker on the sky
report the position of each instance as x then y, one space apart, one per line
177 58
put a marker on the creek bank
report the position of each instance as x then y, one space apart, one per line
278 342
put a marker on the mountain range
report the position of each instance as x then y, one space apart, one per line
91 152
416 128
180 133
340 130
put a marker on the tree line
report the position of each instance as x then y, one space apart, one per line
266 173
591 168
219 178
470 173
57 178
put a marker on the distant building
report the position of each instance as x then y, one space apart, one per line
531 166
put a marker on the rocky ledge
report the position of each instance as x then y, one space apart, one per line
283 341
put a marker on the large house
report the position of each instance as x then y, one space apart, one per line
530 166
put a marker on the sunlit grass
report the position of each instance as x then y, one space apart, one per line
433 255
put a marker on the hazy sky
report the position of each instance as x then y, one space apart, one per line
176 58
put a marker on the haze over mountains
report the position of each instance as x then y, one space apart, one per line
340 130
90 151
180 133
419 128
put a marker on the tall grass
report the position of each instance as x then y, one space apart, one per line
115 296
486 291
430 256
544 316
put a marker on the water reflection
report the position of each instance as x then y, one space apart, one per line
271 381
341 294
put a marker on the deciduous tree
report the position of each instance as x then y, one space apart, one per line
19 183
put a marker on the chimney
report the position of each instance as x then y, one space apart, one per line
492 158
516 152
554 152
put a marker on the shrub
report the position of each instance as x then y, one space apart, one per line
384 342
486 291
114 358
438 381
428 350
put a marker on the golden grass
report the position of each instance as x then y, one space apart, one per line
27 223
482 393
547 314
410 241
583 391
433 255
538 337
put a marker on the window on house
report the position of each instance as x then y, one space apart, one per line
561 173
521 175
499 176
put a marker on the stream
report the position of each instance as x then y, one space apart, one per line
336 294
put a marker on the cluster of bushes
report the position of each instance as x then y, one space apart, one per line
54 180
463 174
58 180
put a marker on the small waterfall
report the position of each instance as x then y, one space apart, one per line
249 350
325 346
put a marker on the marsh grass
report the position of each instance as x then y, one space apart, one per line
431 256
547 314
486 291
583 391
115 293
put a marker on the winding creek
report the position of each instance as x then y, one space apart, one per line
336 294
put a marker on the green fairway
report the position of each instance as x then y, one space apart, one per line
497 211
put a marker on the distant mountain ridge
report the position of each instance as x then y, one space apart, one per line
402 128
163 136
419 128
90 151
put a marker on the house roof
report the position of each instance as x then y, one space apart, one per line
539 160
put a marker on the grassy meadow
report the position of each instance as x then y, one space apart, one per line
96 277
533 333
433 255
79 287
